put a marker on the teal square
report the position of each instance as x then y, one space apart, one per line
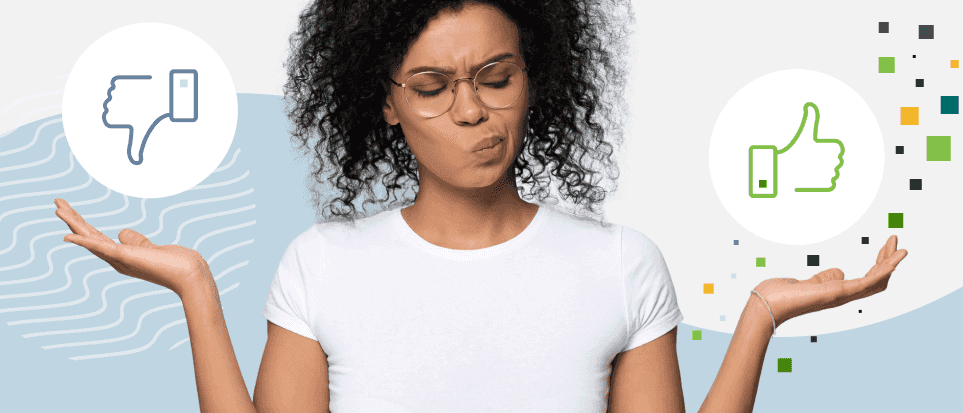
896 220
937 148
785 365
887 65
949 105
761 262
697 334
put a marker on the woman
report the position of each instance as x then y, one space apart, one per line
469 299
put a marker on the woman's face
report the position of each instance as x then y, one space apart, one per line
462 42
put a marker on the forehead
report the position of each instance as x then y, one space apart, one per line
472 34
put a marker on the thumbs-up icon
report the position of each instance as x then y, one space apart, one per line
763 160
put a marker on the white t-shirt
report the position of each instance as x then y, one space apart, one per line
529 325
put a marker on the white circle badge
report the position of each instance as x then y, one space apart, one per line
149 110
796 157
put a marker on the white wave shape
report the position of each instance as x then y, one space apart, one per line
35 136
38 221
182 341
103 293
211 215
122 305
122 226
219 169
213 233
42 178
53 151
90 179
141 348
208 186
50 205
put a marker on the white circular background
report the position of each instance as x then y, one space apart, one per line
768 111
177 155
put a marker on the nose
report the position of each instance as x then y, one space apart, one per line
467 109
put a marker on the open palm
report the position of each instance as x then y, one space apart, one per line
789 298
170 266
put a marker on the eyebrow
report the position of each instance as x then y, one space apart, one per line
448 70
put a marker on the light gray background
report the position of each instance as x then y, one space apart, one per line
690 58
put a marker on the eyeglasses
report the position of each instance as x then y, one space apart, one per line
498 85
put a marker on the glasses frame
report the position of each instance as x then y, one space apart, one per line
454 83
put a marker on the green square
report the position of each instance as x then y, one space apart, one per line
697 334
762 183
761 262
949 105
937 148
896 220
785 365
887 65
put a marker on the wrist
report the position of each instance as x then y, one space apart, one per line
760 315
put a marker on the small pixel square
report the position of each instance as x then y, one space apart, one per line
722 318
916 184
697 334
895 221
761 262
909 115
949 105
865 240
937 148
887 64
708 288
183 82
735 242
919 82
899 150
812 339
914 56
762 183
812 260
860 311
884 27
733 276
926 31
785 365
954 64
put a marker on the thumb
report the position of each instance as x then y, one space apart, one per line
130 237
808 126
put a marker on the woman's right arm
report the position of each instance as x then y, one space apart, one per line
293 376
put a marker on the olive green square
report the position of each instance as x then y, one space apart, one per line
697 334
896 220
937 148
761 262
785 365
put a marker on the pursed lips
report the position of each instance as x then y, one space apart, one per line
487 143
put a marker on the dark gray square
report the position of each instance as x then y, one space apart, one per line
812 260
899 150
926 31
884 27
916 184
865 240
919 82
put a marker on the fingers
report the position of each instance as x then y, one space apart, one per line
130 237
76 222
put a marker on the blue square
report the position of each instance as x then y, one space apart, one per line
733 276
735 242
183 82
722 318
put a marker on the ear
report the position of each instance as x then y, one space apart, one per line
388 107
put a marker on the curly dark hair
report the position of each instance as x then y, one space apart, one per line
574 51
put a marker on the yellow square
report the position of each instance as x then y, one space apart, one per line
707 288
909 116
955 64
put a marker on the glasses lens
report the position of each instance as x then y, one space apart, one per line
429 94
498 85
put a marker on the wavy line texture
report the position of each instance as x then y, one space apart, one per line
211 218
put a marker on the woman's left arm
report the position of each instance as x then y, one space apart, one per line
734 389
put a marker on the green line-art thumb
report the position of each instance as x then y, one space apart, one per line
759 180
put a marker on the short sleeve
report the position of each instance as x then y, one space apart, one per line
286 304
649 292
